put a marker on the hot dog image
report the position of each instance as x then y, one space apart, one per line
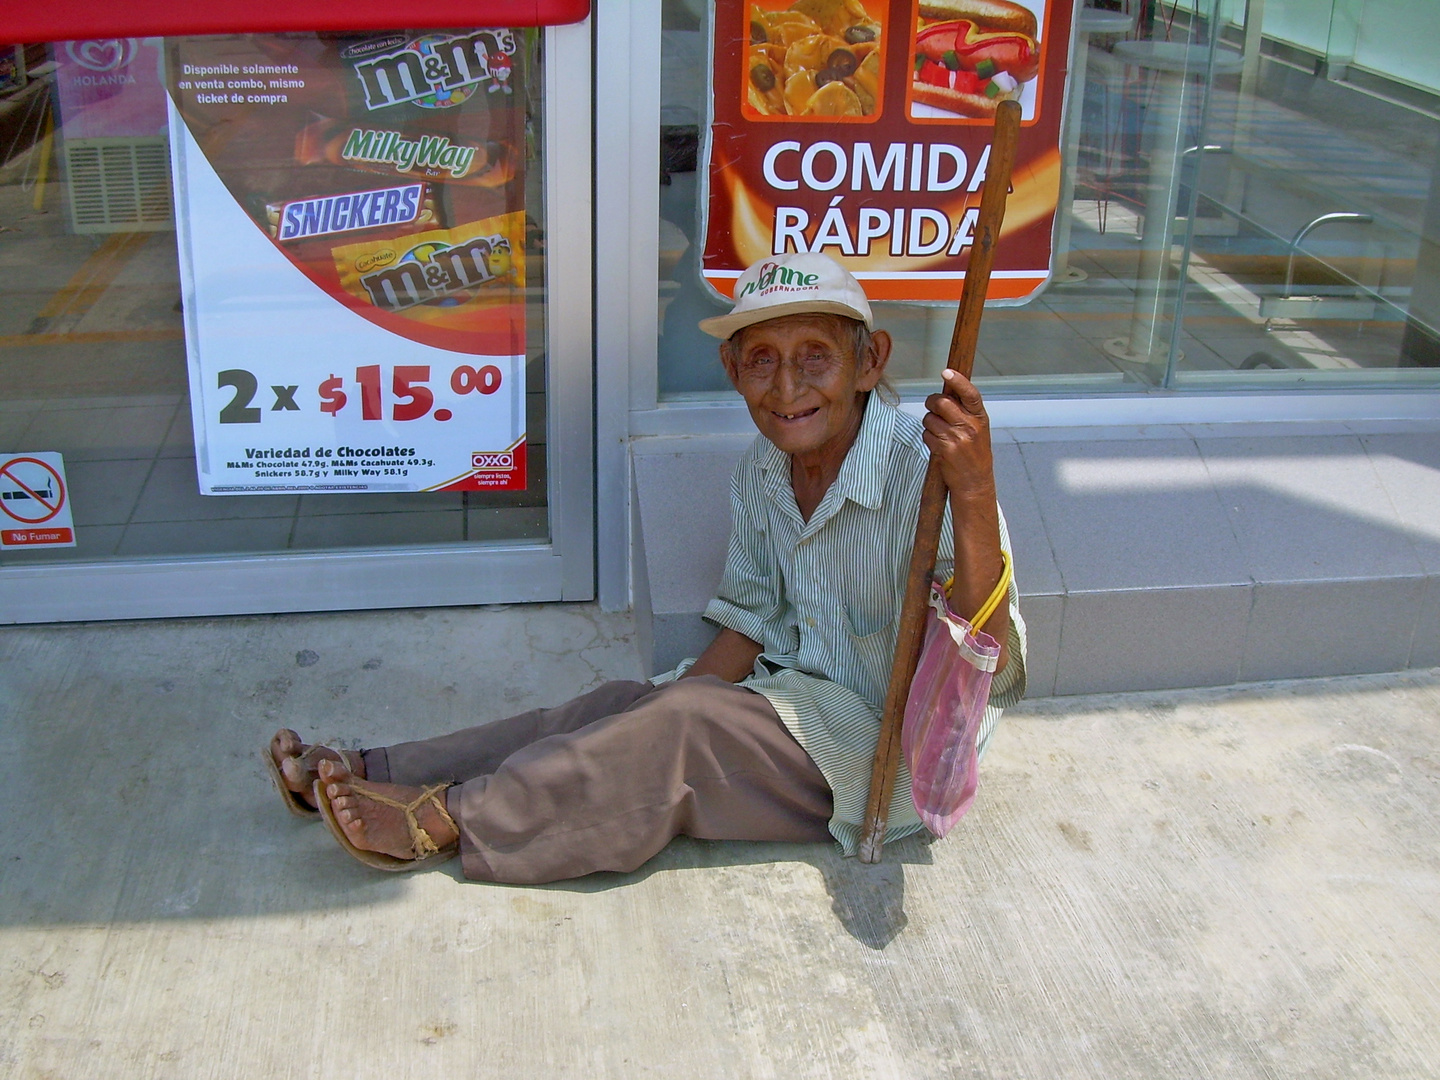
970 55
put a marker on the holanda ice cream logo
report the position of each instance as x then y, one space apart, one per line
103 55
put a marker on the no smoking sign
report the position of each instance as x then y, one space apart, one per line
34 502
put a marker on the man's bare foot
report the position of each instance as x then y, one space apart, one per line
373 815
297 762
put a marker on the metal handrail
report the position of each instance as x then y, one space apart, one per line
1323 219
1265 230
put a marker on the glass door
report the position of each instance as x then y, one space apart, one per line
270 341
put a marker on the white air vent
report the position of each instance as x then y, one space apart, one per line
119 185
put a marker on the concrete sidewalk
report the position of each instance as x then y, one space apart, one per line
1221 883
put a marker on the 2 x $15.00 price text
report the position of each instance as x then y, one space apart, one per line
410 396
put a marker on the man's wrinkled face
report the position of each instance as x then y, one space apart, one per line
802 381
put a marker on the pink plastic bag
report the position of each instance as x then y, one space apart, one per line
943 713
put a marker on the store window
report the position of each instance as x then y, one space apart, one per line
175 216
1312 213
1249 197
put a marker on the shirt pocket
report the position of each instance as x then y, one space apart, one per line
873 654
866 619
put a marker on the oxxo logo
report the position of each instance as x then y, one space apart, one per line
493 460
772 274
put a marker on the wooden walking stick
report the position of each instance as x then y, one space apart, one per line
932 497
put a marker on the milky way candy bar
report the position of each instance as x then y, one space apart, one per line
486 163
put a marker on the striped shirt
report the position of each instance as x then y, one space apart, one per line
823 599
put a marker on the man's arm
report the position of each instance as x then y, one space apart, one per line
957 430
731 656
978 566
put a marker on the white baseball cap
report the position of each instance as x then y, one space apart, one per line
792 284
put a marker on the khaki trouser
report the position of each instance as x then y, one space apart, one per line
605 781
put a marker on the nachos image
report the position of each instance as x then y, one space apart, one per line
815 58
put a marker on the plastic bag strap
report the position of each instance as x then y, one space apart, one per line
994 600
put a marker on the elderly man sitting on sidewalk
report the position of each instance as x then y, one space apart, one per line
770 733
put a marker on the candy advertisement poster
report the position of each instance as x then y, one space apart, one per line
351 223
861 128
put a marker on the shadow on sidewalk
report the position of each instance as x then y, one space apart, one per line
101 839
869 901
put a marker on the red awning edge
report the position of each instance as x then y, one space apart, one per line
77 20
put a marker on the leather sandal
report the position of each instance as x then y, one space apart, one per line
293 802
422 844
